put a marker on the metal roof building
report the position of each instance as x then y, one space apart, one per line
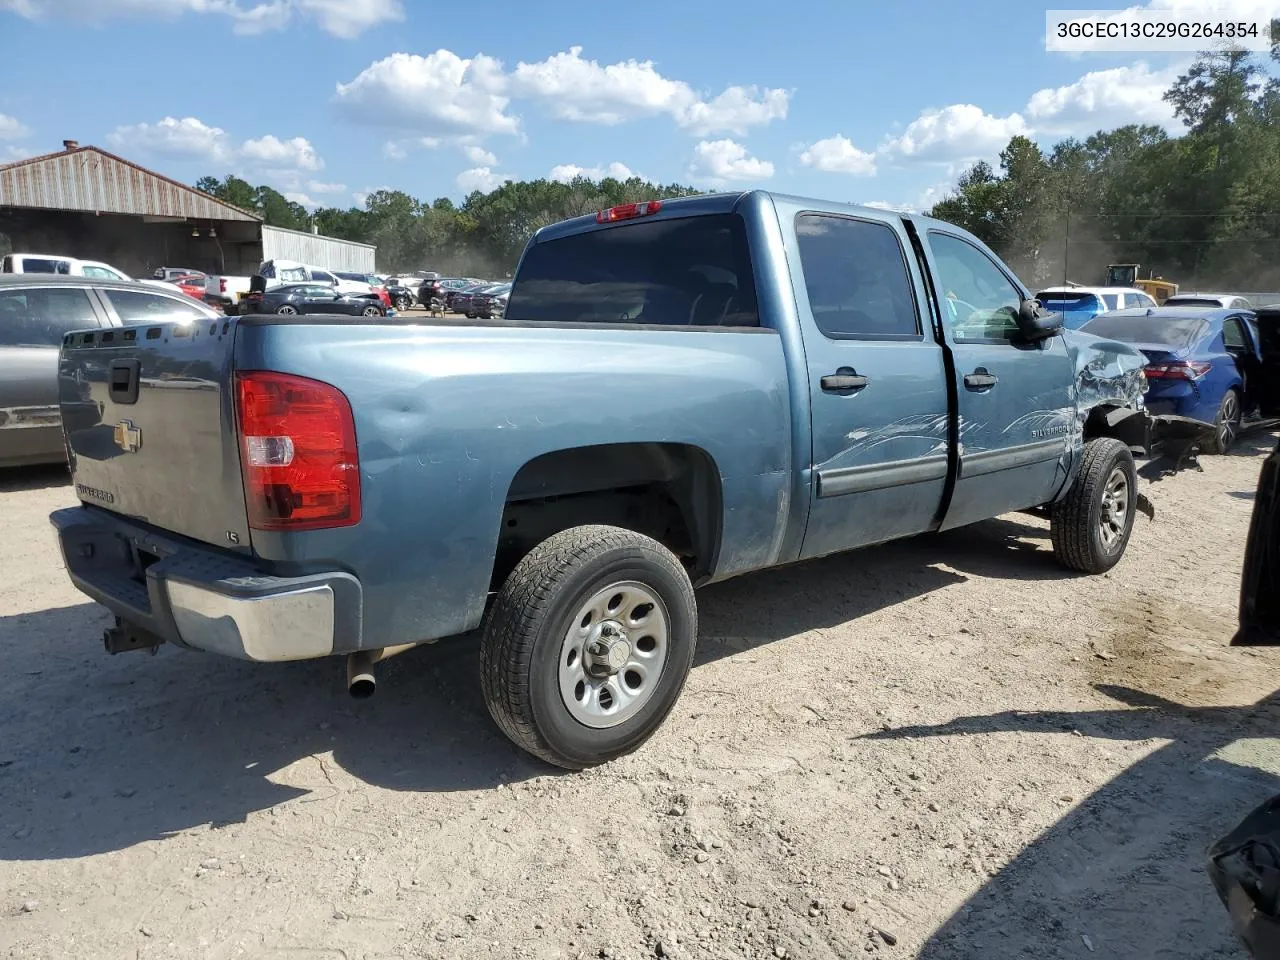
88 203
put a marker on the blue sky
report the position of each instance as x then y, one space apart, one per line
328 99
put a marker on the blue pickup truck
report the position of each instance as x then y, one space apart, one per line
680 392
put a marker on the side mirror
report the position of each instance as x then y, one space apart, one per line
1035 322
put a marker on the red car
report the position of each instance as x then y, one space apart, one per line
191 284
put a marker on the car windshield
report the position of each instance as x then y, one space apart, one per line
1069 306
688 271
1179 332
1193 302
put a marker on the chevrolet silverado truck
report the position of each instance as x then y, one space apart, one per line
681 392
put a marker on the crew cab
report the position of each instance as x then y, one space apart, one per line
681 392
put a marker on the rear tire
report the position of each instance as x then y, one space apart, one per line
372 312
1227 423
403 304
587 645
285 310
1090 528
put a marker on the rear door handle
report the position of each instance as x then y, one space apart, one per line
844 381
980 380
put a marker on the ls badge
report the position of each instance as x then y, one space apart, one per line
128 437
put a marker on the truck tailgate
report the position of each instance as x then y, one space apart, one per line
149 417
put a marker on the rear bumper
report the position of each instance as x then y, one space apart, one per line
205 599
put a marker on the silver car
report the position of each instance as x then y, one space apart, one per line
36 311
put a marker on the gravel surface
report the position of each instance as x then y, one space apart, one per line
943 748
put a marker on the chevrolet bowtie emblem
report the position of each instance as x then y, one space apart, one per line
128 437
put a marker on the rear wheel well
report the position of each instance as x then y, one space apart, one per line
670 492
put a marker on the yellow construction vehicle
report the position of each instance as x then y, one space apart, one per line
1126 275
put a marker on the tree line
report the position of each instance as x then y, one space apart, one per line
1202 209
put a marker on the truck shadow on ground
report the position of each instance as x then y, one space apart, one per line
102 753
1126 867
34 478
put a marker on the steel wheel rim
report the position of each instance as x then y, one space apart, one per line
601 683
1227 429
1114 514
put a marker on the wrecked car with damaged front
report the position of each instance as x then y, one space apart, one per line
680 392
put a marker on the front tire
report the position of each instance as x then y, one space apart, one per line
403 304
1090 528
287 310
372 311
1227 423
588 644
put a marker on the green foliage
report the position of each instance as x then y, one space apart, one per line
1202 209
483 237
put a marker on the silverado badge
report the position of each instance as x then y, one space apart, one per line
128 437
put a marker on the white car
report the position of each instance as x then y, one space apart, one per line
62 266
1227 301
1079 305
276 272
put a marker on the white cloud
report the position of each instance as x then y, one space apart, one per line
341 18
316 186
301 198
437 94
735 111
956 134
932 195
717 162
11 129
573 88
294 154
13 154
479 178
838 155
479 155
890 207
394 151
566 172
1105 99
350 18
188 137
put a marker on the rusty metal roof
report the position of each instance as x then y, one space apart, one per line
91 180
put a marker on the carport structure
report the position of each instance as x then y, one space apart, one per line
85 202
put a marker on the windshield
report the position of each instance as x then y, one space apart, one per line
1074 308
1179 332
689 271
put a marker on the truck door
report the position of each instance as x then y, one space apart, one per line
1016 399
877 383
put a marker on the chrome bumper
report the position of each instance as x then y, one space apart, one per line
205 599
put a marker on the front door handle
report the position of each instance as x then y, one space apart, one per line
980 379
844 381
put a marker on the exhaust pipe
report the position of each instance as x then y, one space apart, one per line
361 680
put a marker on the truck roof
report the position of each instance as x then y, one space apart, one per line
712 203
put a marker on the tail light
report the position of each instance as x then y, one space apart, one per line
1178 370
298 453
626 211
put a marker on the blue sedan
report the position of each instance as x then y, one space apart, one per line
1202 363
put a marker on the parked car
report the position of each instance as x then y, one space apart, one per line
689 390
296 298
65 266
1078 305
173 273
193 286
1204 363
463 300
402 297
36 311
450 287
490 302
1225 300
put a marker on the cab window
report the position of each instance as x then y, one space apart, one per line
40 318
978 301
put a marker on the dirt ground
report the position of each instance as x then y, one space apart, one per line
944 748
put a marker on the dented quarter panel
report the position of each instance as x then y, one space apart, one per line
446 415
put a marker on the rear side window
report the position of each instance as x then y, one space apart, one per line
136 307
1112 300
1233 333
40 318
42 265
856 277
689 271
